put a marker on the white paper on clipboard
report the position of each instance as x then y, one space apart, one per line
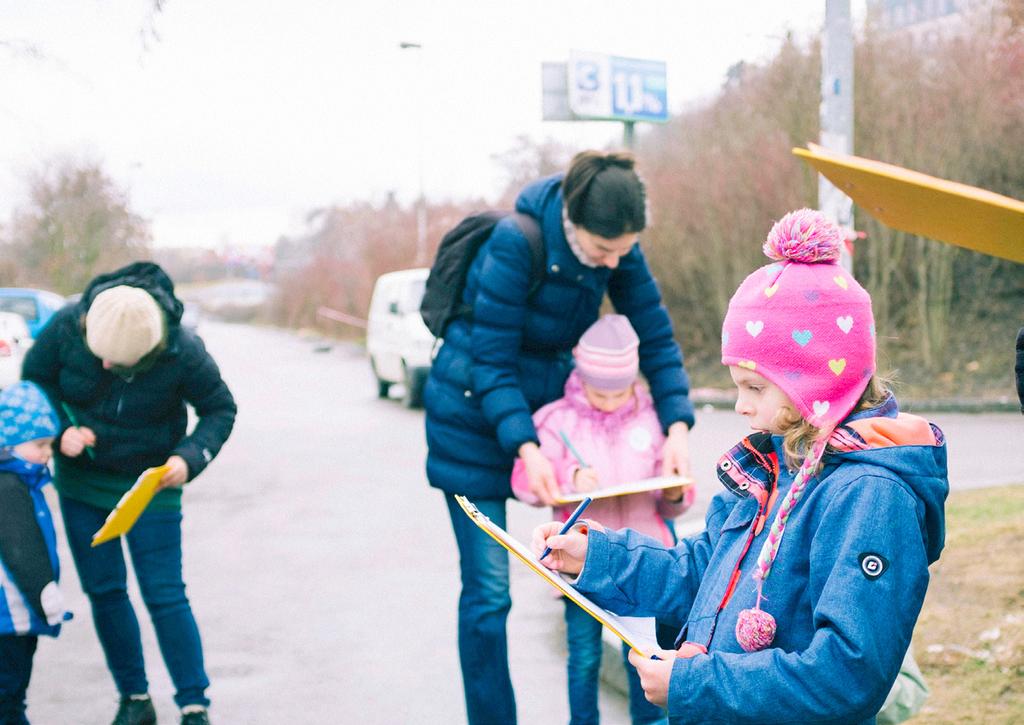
619 626
647 485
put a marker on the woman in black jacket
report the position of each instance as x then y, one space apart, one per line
120 370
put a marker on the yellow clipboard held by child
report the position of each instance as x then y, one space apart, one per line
135 500
621 628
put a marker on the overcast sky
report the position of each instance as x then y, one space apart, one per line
243 114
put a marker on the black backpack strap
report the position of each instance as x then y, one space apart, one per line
538 254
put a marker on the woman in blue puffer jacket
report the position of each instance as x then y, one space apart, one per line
513 355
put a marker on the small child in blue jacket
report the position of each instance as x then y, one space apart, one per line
800 597
30 602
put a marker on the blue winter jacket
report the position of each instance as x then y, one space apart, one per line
845 589
29 567
515 354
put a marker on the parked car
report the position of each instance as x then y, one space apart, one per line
190 316
36 306
399 344
15 341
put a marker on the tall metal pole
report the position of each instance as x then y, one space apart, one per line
837 110
421 201
629 135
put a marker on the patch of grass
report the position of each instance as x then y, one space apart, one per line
969 640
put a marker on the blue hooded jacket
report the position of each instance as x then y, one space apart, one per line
515 354
29 567
846 587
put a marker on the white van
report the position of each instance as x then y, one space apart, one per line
398 342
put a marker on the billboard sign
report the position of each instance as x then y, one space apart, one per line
617 89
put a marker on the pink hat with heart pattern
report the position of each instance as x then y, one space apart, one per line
804 322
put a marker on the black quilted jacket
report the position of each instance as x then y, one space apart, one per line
139 419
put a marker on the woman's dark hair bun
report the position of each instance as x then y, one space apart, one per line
603 193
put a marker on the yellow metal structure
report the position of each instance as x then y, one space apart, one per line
926 205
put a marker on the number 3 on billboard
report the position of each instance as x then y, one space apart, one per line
587 76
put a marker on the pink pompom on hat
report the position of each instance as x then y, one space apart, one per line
607 356
805 324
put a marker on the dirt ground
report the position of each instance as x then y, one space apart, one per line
970 637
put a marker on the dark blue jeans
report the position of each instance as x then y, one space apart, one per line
155 547
583 637
15 671
484 604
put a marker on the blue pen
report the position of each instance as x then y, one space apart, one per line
568 524
572 450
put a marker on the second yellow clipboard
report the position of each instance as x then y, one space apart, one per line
135 500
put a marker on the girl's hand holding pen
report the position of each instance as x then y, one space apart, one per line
585 479
75 440
568 551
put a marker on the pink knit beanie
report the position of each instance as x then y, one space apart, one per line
806 325
607 356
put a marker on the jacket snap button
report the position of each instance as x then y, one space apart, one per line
579 277
726 465
744 486
468 393
555 268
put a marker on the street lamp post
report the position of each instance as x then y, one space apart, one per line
837 111
421 202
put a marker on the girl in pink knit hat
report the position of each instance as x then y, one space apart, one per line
605 431
800 598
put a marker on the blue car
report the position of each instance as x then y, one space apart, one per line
35 305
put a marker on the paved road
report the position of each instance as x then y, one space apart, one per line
322 568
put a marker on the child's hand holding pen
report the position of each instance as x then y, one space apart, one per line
584 479
568 550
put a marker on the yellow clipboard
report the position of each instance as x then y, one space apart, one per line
624 489
135 500
927 205
643 644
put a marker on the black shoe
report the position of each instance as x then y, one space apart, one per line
135 712
202 717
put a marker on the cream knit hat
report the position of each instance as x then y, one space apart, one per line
123 324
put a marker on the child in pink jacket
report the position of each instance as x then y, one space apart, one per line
610 422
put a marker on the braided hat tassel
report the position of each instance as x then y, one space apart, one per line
755 628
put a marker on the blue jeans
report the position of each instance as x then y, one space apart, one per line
484 604
583 636
155 546
16 654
